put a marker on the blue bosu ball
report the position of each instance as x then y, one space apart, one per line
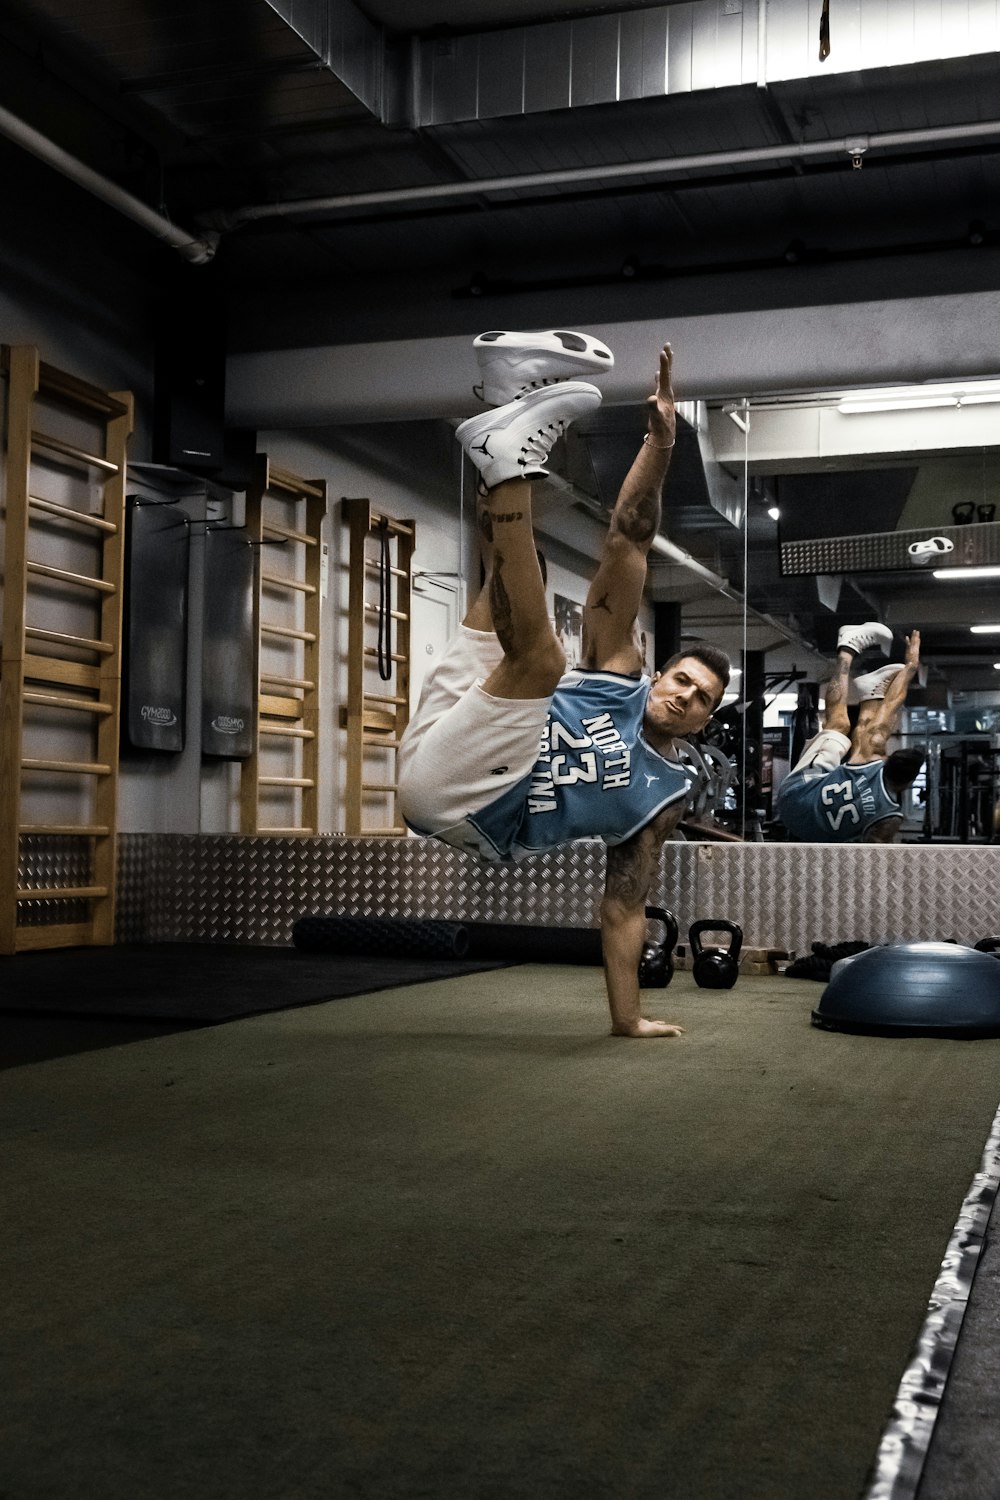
940 988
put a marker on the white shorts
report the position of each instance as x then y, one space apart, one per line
463 748
824 751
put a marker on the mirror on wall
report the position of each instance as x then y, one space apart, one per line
870 506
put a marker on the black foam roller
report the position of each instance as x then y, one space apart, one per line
389 937
534 945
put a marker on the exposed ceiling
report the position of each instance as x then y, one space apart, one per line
399 169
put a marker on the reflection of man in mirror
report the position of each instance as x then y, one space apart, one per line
846 788
508 754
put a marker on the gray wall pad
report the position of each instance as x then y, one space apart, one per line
230 888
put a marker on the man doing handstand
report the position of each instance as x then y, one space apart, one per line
846 788
509 755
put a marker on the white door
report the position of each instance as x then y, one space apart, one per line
433 621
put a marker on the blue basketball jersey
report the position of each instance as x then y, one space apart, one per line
595 775
837 805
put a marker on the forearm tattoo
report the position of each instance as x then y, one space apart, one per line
500 606
486 525
639 517
602 603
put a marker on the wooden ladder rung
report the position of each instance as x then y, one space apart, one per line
395 614
285 781
287 731
287 832
274 580
77 392
287 631
79 830
80 580
383 698
67 450
74 767
373 567
53 935
289 533
380 740
298 489
275 680
67 513
374 651
62 700
400 528
49 669
381 832
60 638
379 786
63 893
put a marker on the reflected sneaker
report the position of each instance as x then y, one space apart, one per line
514 441
931 547
873 684
858 638
513 363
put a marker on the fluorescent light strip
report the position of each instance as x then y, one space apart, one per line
960 574
851 408
985 629
919 397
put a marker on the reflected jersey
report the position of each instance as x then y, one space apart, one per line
595 775
837 805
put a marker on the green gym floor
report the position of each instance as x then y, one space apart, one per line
453 1240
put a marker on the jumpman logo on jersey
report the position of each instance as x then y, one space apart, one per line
649 779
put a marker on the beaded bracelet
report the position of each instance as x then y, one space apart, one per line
661 447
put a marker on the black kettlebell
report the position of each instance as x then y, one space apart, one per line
656 966
963 512
716 968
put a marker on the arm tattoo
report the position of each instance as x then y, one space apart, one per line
602 603
627 873
485 524
500 606
639 517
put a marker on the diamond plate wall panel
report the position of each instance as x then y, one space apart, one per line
227 888
49 860
791 895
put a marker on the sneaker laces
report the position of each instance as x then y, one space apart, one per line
538 445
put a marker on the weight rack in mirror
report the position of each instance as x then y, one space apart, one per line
60 682
877 506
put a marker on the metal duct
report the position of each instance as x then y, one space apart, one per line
672 49
345 41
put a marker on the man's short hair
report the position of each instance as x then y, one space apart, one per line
710 656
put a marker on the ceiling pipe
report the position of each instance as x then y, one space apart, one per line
854 146
199 249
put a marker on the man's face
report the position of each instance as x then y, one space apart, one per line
682 699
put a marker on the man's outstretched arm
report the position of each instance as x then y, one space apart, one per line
609 640
630 870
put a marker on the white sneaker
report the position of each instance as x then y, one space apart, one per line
858 638
873 684
513 363
514 441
